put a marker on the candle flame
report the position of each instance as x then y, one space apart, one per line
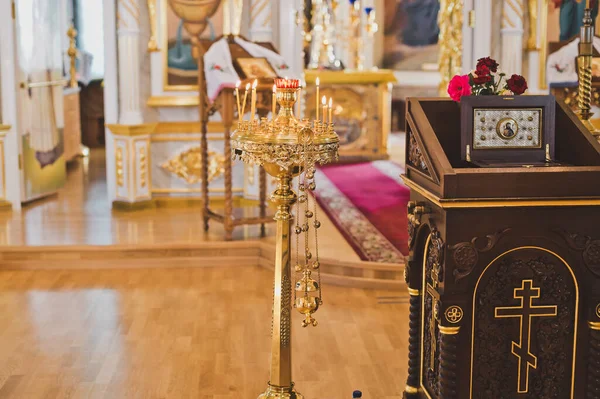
237 84
318 81
274 88
324 100
247 86
255 84
330 102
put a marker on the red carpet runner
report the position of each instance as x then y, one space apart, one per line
367 202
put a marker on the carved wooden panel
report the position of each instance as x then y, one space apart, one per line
524 327
430 364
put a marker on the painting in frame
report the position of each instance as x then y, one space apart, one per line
411 33
255 68
180 70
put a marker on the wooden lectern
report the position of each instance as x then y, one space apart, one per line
504 265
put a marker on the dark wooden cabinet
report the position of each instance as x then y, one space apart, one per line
504 266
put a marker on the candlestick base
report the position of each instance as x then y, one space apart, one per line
274 392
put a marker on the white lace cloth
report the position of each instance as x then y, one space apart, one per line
561 66
218 64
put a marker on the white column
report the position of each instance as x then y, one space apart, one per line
128 17
13 177
512 36
290 38
261 27
481 32
111 92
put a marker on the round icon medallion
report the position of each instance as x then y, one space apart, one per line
507 128
454 314
598 310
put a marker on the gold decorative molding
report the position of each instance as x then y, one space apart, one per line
132 130
450 19
152 43
187 165
594 325
72 53
413 292
143 166
495 203
4 129
449 330
120 173
350 76
454 314
173 101
186 127
411 390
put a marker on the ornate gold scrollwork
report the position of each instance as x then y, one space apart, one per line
119 167
454 314
188 165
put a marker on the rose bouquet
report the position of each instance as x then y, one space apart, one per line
485 80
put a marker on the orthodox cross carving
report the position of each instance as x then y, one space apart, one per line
525 312
435 297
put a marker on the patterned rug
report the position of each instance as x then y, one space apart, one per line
367 202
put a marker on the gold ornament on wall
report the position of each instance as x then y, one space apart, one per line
187 165
450 19
72 53
143 167
152 43
119 167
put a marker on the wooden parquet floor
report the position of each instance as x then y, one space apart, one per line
198 333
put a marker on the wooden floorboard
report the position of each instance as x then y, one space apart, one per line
188 333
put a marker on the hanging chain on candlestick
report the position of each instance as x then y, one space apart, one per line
307 286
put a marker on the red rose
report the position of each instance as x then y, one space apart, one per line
458 87
478 80
482 70
488 62
517 84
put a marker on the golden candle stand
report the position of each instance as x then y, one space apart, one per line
287 148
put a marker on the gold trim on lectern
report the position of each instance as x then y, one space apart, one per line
495 203
449 330
594 325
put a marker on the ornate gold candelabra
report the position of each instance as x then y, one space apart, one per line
288 148
72 53
584 64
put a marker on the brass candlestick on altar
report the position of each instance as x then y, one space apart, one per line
584 64
287 148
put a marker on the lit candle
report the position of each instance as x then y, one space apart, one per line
317 107
330 110
237 97
324 101
253 105
245 98
274 101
